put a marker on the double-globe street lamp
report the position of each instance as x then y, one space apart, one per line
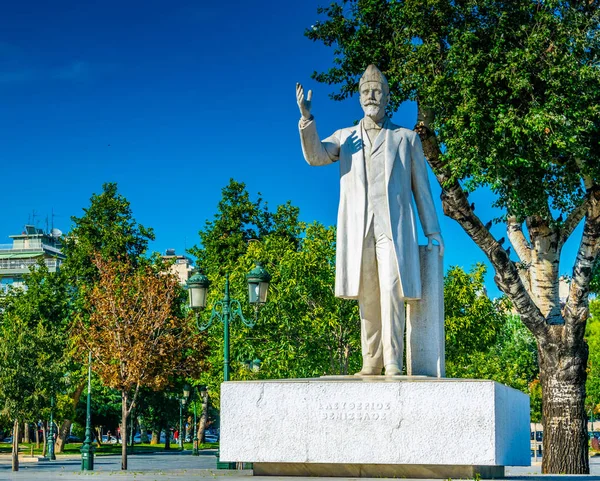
228 309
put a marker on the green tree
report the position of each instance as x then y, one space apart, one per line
484 339
472 319
34 349
303 330
106 228
592 336
105 407
317 333
238 220
508 94
159 411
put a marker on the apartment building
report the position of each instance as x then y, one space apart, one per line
26 250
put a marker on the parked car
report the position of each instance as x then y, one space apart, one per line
7 439
71 438
211 438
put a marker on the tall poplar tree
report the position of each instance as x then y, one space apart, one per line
508 93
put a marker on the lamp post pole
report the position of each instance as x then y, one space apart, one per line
195 451
87 449
226 301
51 454
180 440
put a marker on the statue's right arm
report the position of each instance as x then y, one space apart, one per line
317 152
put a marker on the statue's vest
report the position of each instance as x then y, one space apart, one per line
376 189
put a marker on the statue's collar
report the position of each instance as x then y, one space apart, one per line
368 123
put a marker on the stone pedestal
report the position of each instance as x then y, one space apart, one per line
375 426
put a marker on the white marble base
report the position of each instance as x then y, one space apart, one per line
349 421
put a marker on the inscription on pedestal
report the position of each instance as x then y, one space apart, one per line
354 411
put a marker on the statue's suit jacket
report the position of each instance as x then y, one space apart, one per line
406 176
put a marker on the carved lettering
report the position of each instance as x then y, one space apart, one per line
353 411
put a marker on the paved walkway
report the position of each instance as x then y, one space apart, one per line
182 465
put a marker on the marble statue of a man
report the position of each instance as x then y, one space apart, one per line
382 167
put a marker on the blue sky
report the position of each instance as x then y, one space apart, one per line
170 100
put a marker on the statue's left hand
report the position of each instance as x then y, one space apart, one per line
436 237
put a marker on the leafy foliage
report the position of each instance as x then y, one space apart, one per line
33 351
135 333
473 320
303 330
106 228
592 335
484 340
238 220
514 86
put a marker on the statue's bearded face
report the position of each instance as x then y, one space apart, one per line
373 99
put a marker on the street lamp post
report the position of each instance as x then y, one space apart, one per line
51 454
198 390
195 451
180 440
182 404
87 449
228 309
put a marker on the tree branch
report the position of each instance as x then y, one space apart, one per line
515 234
576 309
573 220
457 207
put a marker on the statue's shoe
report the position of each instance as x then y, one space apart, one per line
392 370
369 371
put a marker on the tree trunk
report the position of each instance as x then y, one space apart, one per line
15 446
124 398
562 376
37 436
26 436
155 436
203 419
98 431
63 432
167 439
45 440
65 428
143 431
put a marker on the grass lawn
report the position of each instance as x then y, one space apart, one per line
105 449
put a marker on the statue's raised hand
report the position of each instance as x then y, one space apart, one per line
304 104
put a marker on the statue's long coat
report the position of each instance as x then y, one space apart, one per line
406 176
